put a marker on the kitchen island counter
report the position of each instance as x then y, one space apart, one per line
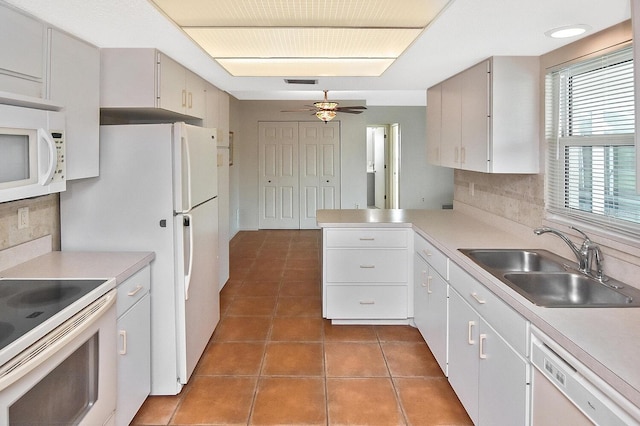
606 340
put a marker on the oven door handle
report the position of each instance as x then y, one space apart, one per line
43 349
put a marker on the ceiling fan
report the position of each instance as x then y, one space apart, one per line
326 110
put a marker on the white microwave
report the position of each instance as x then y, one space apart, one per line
32 152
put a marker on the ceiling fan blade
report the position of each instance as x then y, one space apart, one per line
299 110
351 107
343 111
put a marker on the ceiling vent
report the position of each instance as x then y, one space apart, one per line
299 81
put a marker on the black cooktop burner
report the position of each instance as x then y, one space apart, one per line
25 304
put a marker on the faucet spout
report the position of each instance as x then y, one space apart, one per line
582 262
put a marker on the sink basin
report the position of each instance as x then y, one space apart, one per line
566 289
516 260
552 281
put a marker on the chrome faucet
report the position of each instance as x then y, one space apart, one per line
586 253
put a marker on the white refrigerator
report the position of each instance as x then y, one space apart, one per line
157 191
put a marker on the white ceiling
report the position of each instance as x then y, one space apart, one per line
467 32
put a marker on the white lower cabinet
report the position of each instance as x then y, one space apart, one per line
365 275
134 345
430 308
489 377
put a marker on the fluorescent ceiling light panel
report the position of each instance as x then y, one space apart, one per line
300 67
251 31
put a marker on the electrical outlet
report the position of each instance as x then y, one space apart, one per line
23 217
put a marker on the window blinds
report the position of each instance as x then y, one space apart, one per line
591 154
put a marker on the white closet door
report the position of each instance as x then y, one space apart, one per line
278 168
319 170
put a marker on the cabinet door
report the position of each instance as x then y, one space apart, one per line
474 131
420 295
172 94
75 83
212 108
437 311
22 43
503 389
134 360
434 124
451 122
463 353
195 87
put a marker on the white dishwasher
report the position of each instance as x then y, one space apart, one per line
565 392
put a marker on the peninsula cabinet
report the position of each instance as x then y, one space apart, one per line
146 79
486 118
487 372
366 275
430 293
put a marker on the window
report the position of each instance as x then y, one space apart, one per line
590 134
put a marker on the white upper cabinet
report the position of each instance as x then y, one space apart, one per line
487 117
146 79
74 83
23 45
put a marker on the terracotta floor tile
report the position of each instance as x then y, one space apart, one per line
293 359
289 401
430 402
250 306
157 410
305 254
271 274
231 287
411 360
349 333
398 333
302 288
225 302
216 400
242 329
301 275
299 307
301 329
370 401
231 358
305 263
355 360
259 288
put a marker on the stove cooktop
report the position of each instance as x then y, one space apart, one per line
27 303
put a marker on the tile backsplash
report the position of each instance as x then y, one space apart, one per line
519 198
44 219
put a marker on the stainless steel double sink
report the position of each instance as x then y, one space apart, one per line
549 280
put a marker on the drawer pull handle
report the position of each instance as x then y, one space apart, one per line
426 252
367 266
483 337
425 277
367 302
135 290
470 333
367 239
429 278
123 334
478 299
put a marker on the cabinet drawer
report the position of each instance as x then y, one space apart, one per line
507 322
366 302
132 290
432 255
372 237
367 266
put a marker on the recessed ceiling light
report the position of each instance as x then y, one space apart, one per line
568 31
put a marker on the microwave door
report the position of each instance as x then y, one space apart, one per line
47 157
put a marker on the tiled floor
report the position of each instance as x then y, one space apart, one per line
273 360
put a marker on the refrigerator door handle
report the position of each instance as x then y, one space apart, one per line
187 278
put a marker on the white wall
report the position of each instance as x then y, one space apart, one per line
422 186
353 153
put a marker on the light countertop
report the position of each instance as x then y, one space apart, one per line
606 340
57 264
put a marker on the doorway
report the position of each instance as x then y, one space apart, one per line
383 166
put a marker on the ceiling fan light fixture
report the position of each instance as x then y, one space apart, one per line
325 105
325 115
